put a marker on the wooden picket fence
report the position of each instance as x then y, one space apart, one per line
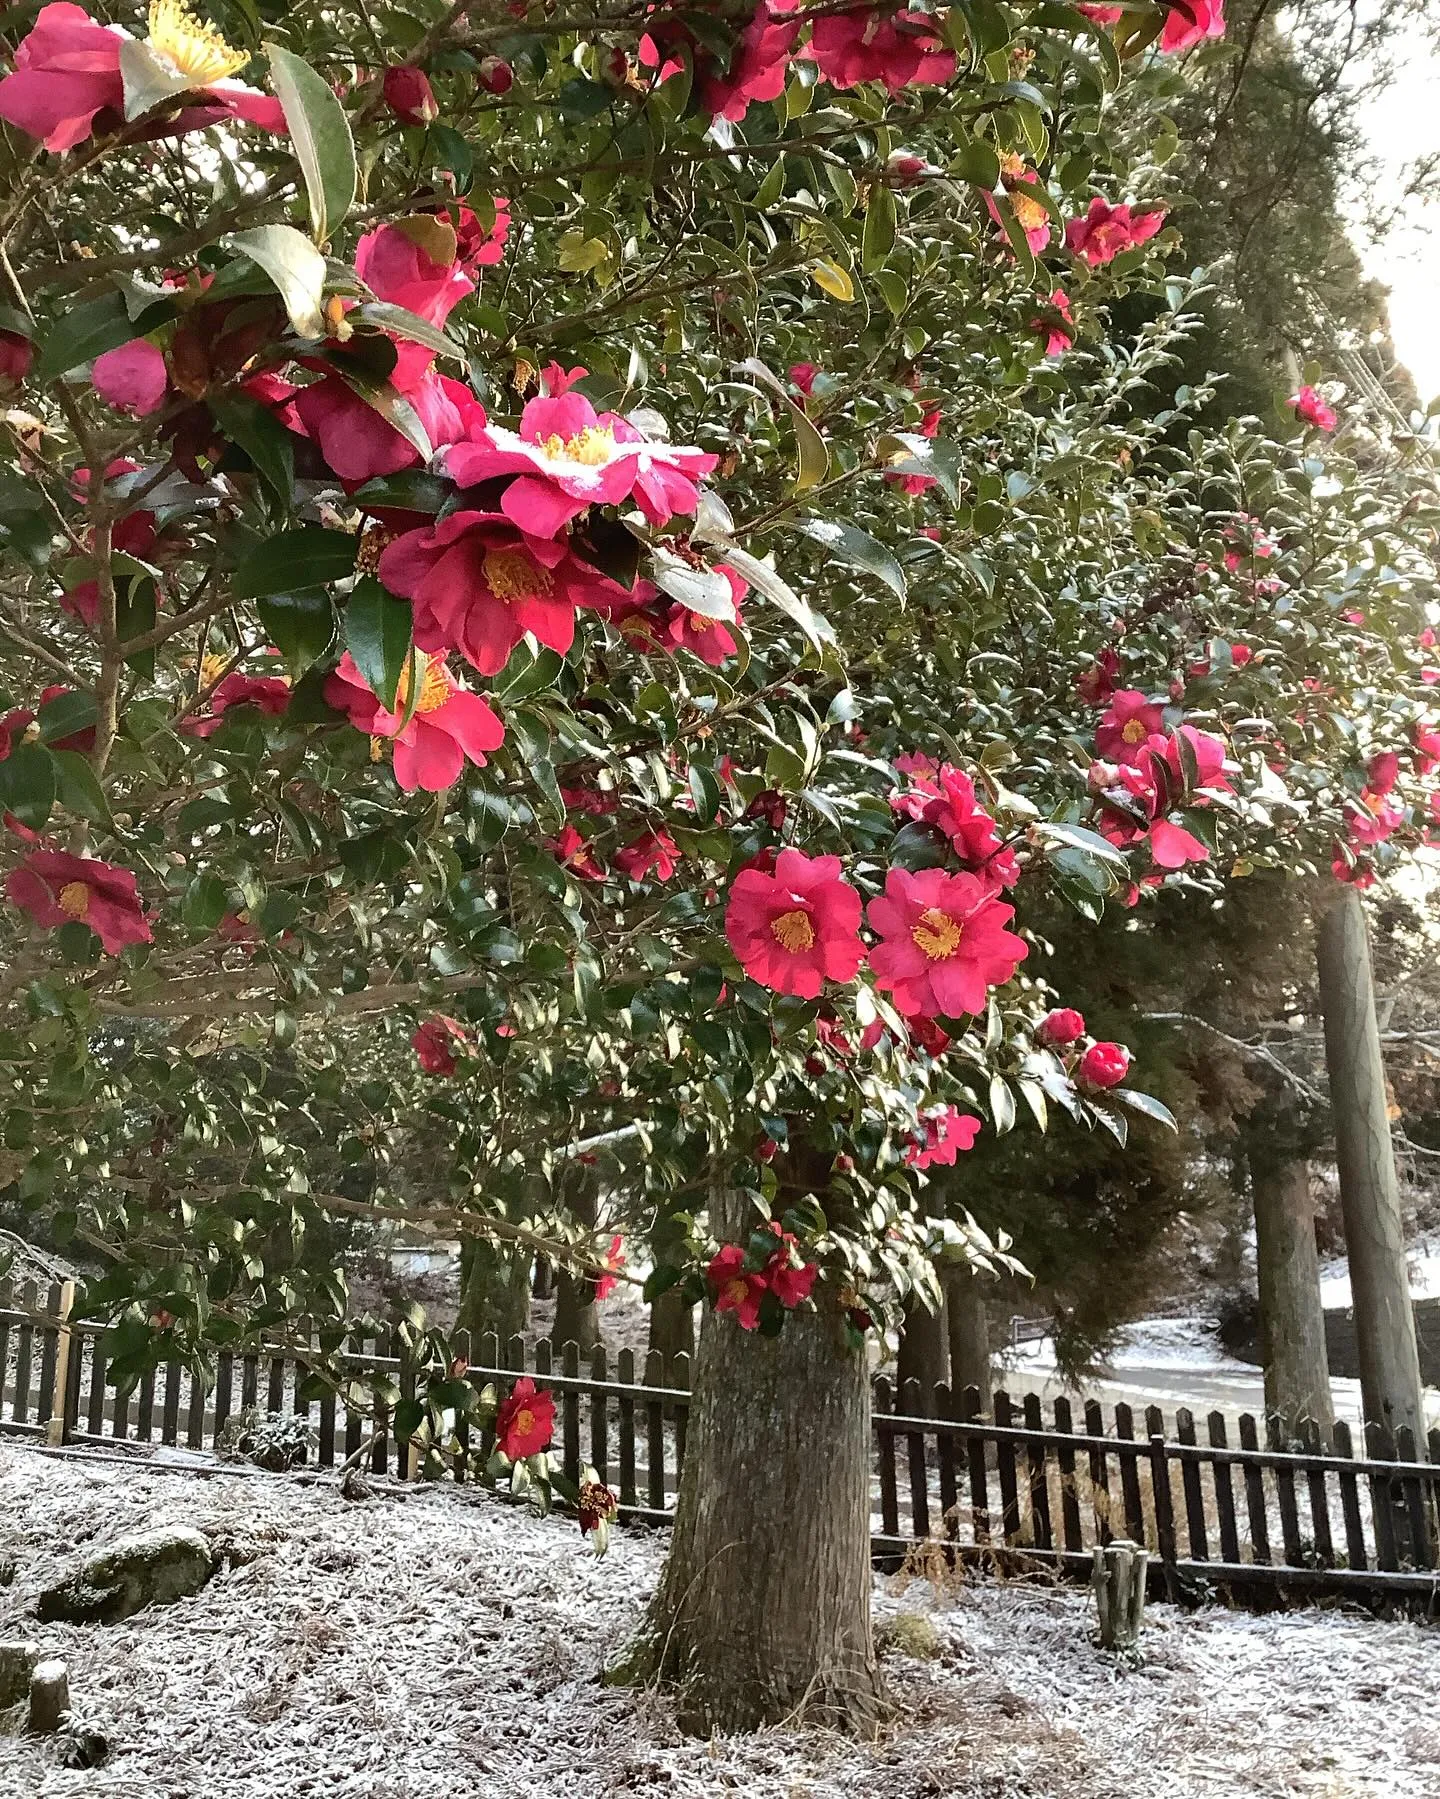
1011 1489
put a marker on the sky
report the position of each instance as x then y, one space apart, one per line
1402 123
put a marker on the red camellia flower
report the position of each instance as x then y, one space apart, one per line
711 639
733 1289
357 443
947 802
132 378
16 355
1314 410
1426 739
1102 15
918 484
797 928
1382 771
943 942
787 1274
866 43
1061 1027
1127 726
395 264
759 63
14 727
478 584
56 888
1097 684
1104 1065
68 70
653 855
1106 230
1030 215
448 727
1354 871
1189 22
435 1043
577 854
802 375
525 1423
606 1283
1372 819
947 1131
409 95
566 456
596 1505
269 693
1058 332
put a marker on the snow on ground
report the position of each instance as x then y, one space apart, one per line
439 1646
1424 1265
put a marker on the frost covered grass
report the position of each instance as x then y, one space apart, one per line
439 1646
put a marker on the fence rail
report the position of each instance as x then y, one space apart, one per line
1008 1485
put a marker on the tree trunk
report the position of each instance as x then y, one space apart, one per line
1369 1191
1292 1320
969 1333
924 1354
672 1325
763 1611
494 1291
577 1317
543 1284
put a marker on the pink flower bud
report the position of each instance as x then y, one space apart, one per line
409 96
1104 1065
1061 1026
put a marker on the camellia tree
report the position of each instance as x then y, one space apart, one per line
562 580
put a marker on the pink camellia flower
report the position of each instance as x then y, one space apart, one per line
16 355
1355 871
1240 654
358 444
449 726
918 484
14 728
1427 639
796 928
1382 771
733 1289
577 854
1372 819
948 804
566 456
1128 725
1313 409
269 693
1426 741
56 888
1102 15
759 63
1097 684
787 1274
1208 752
947 1131
1104 1065
436 1042
1059 333
525 1422
409 95
607 1282
1189 22
67 72
711 639
1061 1027
1030 215
866 43
1106 231
802 375
132 378
478 584
394 264
652 856
135 532
943 942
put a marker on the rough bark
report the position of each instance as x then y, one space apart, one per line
494 1291
924 1353
577 1317
763 1611
1369 1192
1292 1320
969 1330
672 1325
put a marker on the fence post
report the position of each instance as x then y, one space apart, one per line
57 1427
1164 1502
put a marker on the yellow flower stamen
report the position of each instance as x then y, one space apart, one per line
793 931
192 47
435 684
524 1423
1134 731
512 575
594 446
936 933
73 899
212 667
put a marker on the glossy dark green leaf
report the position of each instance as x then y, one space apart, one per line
377 635
308 556
319 136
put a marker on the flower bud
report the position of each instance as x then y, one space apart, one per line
409 96
496 76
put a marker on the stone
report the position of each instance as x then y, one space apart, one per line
153 1567
17 1664
49 1695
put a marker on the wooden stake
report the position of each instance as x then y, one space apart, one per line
58 1425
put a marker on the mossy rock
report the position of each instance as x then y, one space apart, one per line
908 1633
153 1567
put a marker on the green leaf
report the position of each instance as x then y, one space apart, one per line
878 238
857 548
27 784
77 789
1077 837
145 81
814 457
66 714
82 333
1144 1104
300 625
976 162
270 447
204 902
1002 1105
320 137
377 634
398 321
308 556
393 407
412 490
295 267
761 576
699 590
